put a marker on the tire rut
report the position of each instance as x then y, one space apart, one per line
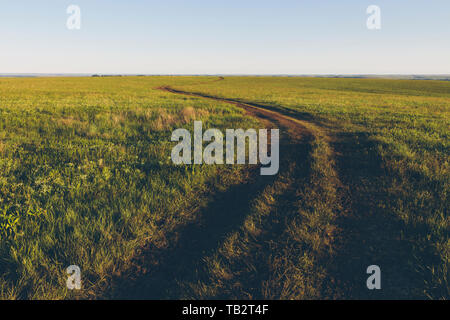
167 269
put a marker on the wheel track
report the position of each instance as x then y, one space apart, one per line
353 217
299 132
180 264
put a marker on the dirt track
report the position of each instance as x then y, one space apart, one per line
261 112
158 272
162 273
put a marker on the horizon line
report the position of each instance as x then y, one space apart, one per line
223 74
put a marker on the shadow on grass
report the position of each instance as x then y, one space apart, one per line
168 267
371 233
168 270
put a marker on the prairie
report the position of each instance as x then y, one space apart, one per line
86 178
389 143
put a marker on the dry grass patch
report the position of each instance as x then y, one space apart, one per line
165 119
68 121
118 118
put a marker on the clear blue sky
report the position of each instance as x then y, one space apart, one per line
229 37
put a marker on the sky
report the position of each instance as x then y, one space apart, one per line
225 37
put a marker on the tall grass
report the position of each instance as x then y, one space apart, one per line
86 179
390 139
86 176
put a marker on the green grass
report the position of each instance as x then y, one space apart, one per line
283 246
391 144
86 178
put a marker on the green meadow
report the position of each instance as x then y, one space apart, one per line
86 176
389 141
86 179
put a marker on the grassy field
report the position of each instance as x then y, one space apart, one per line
86 178
390 143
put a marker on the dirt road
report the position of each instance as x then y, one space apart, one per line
312 239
